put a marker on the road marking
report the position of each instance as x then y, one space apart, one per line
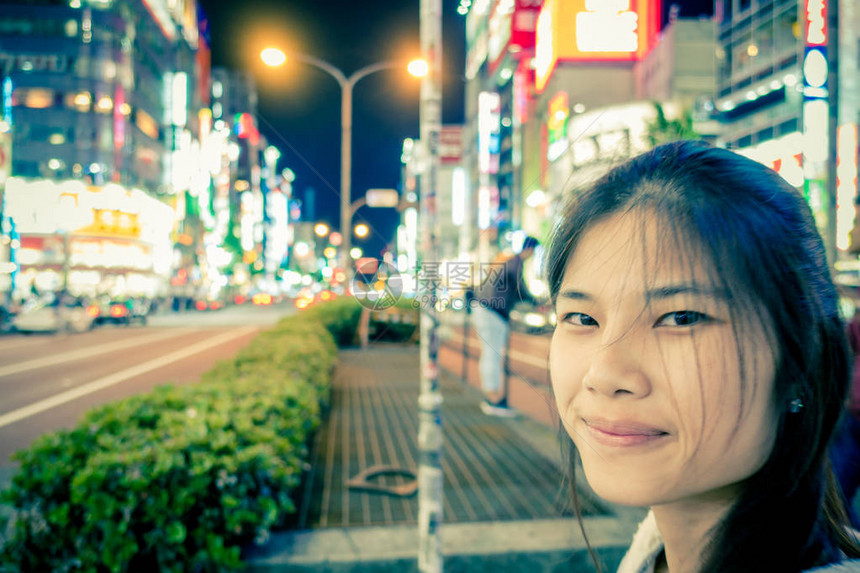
94 350
15 343
120 376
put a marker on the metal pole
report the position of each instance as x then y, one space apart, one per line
430 400
833 126
346 87
346 171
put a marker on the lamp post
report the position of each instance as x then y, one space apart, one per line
275 57
430 435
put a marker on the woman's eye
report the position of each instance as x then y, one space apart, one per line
579 319
681 318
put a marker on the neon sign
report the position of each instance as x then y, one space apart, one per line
593 30
607 26
816 110
816 22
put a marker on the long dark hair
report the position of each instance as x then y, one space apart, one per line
759 236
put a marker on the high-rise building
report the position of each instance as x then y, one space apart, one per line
101 100
91 84
774 95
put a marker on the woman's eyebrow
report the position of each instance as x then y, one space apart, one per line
658 293
574 295
669 291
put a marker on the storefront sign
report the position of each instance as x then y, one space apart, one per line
559 112
53 63
489 128
451 144
512 25
816 110
593 30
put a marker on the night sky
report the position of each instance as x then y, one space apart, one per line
299 106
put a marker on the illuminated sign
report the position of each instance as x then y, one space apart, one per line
42 206
559 112
593 30
499 26
816 22
477 39
790 157
607 135
451 144
489 128
522 77
524 24
484 207
246 128
30 63
846 182
816 110
782 154
161 13
458 196
511 27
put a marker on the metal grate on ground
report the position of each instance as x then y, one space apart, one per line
491 472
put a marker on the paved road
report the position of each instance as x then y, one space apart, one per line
48 381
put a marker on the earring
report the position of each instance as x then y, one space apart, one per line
794 406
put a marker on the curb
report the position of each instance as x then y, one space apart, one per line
529 546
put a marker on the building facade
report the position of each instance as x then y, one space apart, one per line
550 103
109 107
781 70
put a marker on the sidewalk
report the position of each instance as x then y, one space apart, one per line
503 509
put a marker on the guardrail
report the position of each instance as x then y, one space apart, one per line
526 378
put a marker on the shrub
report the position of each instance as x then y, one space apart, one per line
179 478
340 316
398 323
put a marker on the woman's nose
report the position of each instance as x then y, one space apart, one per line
616 368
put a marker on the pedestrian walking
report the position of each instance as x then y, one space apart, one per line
700 363
501 289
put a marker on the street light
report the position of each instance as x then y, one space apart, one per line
361 230
321 229
275 57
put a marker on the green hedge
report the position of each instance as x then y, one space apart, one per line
341 317
179 478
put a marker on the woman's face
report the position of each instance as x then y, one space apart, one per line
646 371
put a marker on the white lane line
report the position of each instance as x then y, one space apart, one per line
110 380
88 352
16 342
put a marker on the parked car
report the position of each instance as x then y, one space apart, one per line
123 311
51 316
209 303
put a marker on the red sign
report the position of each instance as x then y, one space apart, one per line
524 23
511 28
451 145
816 22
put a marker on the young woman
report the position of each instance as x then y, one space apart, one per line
700 363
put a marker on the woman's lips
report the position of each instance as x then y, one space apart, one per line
622 433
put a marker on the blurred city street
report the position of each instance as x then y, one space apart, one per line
50 380
176 176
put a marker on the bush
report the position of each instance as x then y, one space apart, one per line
179 478
396 324
340 316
